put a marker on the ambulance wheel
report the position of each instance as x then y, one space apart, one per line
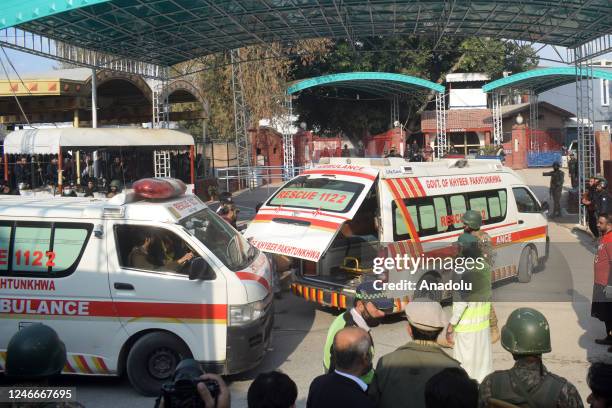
152 360
527 264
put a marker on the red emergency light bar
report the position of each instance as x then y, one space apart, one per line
159 188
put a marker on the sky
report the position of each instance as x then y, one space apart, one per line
27 64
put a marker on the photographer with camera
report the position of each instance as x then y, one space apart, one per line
191 387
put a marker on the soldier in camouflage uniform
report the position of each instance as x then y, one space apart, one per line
528 384
35 354
472 221
556 187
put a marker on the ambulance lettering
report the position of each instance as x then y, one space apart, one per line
29 258
448 220
446 182
503 239
44 307
27 284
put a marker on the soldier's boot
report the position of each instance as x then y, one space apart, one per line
494 326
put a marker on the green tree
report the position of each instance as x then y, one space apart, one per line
331 111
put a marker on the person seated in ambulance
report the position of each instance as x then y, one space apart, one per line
175 254
150 255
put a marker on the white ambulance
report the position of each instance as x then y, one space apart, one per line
134 285
341 215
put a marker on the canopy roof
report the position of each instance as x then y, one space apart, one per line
374 83
48 141
166 32
541 80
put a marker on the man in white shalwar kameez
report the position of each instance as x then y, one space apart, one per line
469 326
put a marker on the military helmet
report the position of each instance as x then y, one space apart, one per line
472 219
115 183
35 351
604 184
526 332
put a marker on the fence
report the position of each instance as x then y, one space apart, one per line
543 159
238 178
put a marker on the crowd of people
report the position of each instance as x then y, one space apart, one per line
418 374
597 201
99 175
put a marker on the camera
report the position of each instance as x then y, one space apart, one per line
182 391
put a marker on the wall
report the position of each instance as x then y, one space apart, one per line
379 145
267 150
224 154
309 148
516 149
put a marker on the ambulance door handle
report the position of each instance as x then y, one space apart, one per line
521 221
123 286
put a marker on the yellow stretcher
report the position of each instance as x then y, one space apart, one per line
351 264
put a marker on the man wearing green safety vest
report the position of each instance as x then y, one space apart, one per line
369 306
528 384
469 329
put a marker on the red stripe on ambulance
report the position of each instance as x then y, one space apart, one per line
112 309
248 276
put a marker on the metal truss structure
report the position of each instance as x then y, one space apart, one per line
441 142
241 117
591 49
537 81
288 145
165 32
142 36
48 47
498 131
587 156
161 106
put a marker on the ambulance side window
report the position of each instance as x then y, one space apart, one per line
42 249
28 244
150 248
479 204
441 211
458 206
67 245
426 214
525 203
5 239
400 229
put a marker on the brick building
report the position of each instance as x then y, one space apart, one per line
466 129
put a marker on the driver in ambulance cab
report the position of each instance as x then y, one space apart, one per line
150 255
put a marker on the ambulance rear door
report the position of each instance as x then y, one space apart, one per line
302 218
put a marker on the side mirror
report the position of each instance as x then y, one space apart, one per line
199 269
545 206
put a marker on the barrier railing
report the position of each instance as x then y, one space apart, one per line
238 178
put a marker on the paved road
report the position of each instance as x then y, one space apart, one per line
561 291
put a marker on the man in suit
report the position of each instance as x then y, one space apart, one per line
343 387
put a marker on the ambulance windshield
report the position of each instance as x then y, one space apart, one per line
218 236
324 193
